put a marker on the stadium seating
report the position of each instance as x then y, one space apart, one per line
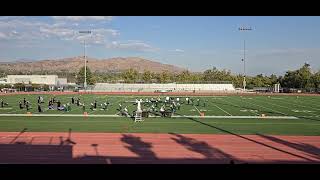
121 87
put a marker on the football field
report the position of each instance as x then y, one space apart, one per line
278 115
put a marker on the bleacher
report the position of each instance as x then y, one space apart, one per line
122 87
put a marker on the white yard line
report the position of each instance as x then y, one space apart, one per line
286 102
197 109
222 109
314 103
284 107
266 108
15 111
239 106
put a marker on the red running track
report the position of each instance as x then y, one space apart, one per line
115 148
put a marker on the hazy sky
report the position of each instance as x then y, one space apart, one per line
275 45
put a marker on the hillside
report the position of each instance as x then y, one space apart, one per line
96 65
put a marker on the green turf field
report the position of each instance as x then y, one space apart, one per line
288 115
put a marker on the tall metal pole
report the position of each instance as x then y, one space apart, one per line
85 67
85 59
244 65
244 57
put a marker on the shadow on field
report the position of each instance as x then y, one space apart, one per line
313 151
51 151
137 146
68 140
22 153
252 140
20 133
60 151
201 147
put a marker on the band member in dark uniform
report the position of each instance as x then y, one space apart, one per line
95 104
58 104
20 105
27 105
39 108
78 102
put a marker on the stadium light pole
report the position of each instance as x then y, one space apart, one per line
85 59
244 56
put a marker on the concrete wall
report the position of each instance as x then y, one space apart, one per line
154 87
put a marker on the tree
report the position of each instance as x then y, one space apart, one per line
215 75
291 80
258 81
164 77
130 75
300 78
196 77
184 76
274 79
80 77
147 76
305 76
316 79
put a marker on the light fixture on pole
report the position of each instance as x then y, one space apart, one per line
244 56
85 59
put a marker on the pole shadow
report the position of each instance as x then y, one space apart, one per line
139 147
203 148
249 139
313 151
20 133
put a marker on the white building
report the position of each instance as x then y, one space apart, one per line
35 79
3 81
62 82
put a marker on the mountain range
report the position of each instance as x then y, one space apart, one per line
73 64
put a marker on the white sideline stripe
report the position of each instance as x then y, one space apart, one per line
174 116
240 117
60 115
184 122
